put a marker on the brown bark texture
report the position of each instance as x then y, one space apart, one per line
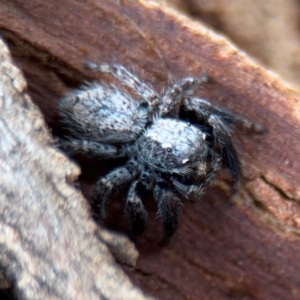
244 246
268 30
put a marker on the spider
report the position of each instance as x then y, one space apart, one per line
174 142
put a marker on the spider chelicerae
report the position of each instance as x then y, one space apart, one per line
175 142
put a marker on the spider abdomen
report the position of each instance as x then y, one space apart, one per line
103 113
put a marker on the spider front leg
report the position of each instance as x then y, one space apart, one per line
205 109
221 123
173 95
194 191
126 77
168 207
114 179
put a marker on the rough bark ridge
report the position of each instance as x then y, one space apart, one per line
49 246
242 247
268 30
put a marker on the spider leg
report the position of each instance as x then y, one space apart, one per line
205 109
134 203
172 96
168 207
129 79
194 191
221 123
88 148
114 179
135 209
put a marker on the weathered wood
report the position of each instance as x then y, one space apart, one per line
267 30
241 247
49 246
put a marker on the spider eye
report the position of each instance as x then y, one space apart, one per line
144 105
169 150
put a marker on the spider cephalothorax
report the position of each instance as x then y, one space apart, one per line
175 143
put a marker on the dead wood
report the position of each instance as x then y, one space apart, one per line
50 247
241 247
268 30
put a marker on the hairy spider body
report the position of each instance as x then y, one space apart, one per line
173 157
116 119
173 147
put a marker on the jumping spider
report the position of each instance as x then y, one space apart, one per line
175 143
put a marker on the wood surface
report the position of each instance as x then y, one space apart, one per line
242 246
50 248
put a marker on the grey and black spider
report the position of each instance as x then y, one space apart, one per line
175 143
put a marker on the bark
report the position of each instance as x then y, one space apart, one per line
244 246
268 30
50 247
